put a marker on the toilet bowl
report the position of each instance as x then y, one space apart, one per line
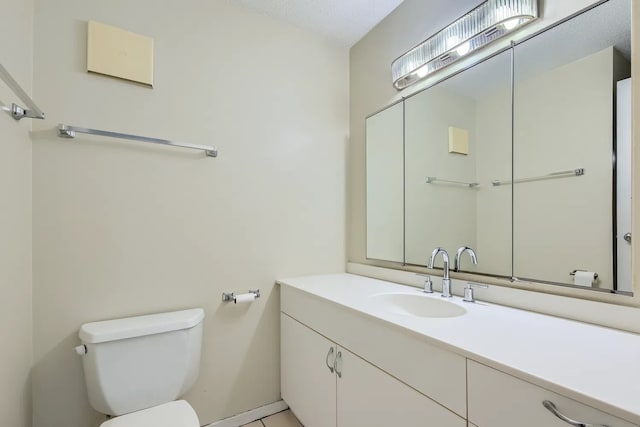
172 414
135 368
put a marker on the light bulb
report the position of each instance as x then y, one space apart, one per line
463 49
422 72
511 23
452 41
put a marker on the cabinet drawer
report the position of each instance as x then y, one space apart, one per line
496 399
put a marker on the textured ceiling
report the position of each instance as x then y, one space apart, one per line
346 21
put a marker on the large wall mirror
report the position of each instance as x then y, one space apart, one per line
525 157
568 151
457 139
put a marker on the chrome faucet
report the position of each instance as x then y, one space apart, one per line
446 282
463 249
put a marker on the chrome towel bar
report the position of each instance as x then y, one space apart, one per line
67 131
561 174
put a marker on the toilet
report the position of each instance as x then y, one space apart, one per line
135 368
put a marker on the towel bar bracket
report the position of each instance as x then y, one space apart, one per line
19 113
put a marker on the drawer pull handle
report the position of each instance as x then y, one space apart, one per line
552 408
338 360
326 360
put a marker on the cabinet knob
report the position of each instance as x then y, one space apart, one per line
326 360
552 408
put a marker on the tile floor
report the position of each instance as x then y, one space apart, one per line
281 419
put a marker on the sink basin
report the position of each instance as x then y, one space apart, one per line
417 305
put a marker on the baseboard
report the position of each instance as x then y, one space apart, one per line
252 415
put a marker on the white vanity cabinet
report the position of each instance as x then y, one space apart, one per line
326 385
497 399
491 367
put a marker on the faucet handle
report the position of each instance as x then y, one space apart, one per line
428 284
468 291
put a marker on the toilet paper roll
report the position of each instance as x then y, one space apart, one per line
584 278
244 298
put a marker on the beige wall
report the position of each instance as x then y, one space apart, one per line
123 229
16 53
371 87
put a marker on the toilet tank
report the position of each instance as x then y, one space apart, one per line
139 362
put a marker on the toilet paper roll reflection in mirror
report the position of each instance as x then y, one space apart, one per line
244 298
584 278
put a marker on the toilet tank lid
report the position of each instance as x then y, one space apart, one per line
131 327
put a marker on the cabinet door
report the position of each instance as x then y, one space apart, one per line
308 385
500 400
370 397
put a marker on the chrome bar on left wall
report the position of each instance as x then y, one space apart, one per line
17 112
67 131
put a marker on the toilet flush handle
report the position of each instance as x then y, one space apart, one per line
81 350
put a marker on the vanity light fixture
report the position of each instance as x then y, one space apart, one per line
488 22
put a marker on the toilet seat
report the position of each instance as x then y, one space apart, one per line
172 414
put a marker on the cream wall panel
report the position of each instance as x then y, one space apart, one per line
122 228
119 53
16 53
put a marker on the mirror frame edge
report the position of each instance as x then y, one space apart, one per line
635 146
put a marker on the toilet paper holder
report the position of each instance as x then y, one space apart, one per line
230 296
573 273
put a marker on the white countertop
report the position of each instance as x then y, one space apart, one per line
592 364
